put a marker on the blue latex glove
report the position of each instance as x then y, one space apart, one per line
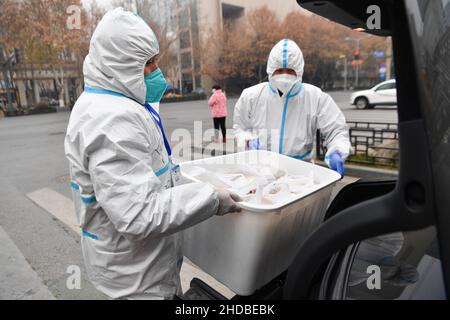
254 144
337 164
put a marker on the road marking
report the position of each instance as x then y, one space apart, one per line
57 205
189 271
63 209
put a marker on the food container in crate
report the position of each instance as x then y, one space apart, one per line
246 250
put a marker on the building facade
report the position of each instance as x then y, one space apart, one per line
193 21
35 85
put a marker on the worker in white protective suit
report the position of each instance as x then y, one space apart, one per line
283 115
122 174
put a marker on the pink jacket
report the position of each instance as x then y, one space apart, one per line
218 104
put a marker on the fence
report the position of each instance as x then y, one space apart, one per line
374 144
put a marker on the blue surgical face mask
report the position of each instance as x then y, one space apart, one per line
156 86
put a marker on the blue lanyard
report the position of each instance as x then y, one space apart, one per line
153 112
158 121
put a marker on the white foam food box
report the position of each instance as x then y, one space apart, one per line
246 250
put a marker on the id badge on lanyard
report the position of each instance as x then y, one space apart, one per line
175 175
175 172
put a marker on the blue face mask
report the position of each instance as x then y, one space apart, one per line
156 86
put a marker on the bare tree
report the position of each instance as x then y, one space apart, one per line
265 31
44 35
148 11
240 51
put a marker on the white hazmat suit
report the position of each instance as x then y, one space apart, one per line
287 124
121 172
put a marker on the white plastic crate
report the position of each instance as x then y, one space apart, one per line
246 250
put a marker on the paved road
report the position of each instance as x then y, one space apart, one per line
379 114
183 115
32 158
35 207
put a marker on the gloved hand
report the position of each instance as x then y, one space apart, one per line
254 144
227 202
337 163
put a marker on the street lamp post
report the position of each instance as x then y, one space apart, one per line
389 58
345 70
357 65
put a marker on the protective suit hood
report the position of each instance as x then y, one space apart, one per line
286 54
120 47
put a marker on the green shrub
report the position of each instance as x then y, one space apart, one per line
41 107
185 97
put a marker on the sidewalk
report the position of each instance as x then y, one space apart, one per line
18 281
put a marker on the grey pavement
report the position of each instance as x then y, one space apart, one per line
22 282
378 114
35 197
32 158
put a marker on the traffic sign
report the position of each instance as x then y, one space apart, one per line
378 54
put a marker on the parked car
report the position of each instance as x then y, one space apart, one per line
383 94
172 90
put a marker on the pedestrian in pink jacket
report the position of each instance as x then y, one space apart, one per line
218 105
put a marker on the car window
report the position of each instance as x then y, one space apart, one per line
404 266
386 86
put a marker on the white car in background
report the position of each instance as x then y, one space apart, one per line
383 94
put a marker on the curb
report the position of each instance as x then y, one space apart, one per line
18 280
365 172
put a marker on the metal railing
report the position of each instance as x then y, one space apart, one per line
373 143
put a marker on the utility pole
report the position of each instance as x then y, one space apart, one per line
389 58
358 48
194 85
179 68
357 65
345 70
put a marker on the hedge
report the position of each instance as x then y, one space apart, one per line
186 97
41 107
